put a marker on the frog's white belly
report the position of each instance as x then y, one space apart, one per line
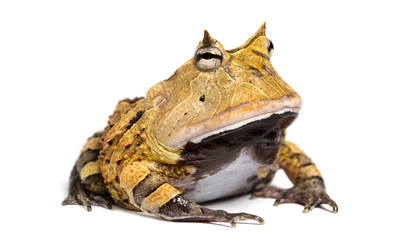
232 180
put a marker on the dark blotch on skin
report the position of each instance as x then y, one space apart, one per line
176 206
87 156
135 119
306 164
260 54
271 72
147 186
256 73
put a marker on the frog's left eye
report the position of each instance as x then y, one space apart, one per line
208 58
270 47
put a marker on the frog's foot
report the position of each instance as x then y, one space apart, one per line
203 214
87 200
304 194
78 195
210 215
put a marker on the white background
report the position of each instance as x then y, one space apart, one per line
65 64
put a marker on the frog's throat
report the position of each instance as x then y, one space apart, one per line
232 119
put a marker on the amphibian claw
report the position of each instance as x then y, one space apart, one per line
276 203
335 208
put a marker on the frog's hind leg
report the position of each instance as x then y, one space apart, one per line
152 194
86 184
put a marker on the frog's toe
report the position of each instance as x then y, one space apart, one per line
81 200
78 195
313 199
97 200
87 201
245 216
223 216
69 200
325 199
202 214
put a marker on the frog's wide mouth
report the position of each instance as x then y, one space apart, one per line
236 117
265 134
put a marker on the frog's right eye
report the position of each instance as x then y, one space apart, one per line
270 47
208 58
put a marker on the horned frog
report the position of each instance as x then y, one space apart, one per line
215 128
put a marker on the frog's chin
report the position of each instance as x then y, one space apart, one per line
232 119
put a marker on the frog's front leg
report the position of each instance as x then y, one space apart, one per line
152 194
86 185
309 189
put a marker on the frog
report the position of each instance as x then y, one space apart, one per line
215 129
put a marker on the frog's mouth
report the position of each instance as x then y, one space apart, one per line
233 158
280 115
266 130
237 117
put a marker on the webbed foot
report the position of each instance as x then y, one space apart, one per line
308 194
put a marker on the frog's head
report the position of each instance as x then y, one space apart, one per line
218 90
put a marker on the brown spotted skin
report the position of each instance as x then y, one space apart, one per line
214 129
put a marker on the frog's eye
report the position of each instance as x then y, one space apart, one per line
208 58
270 47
